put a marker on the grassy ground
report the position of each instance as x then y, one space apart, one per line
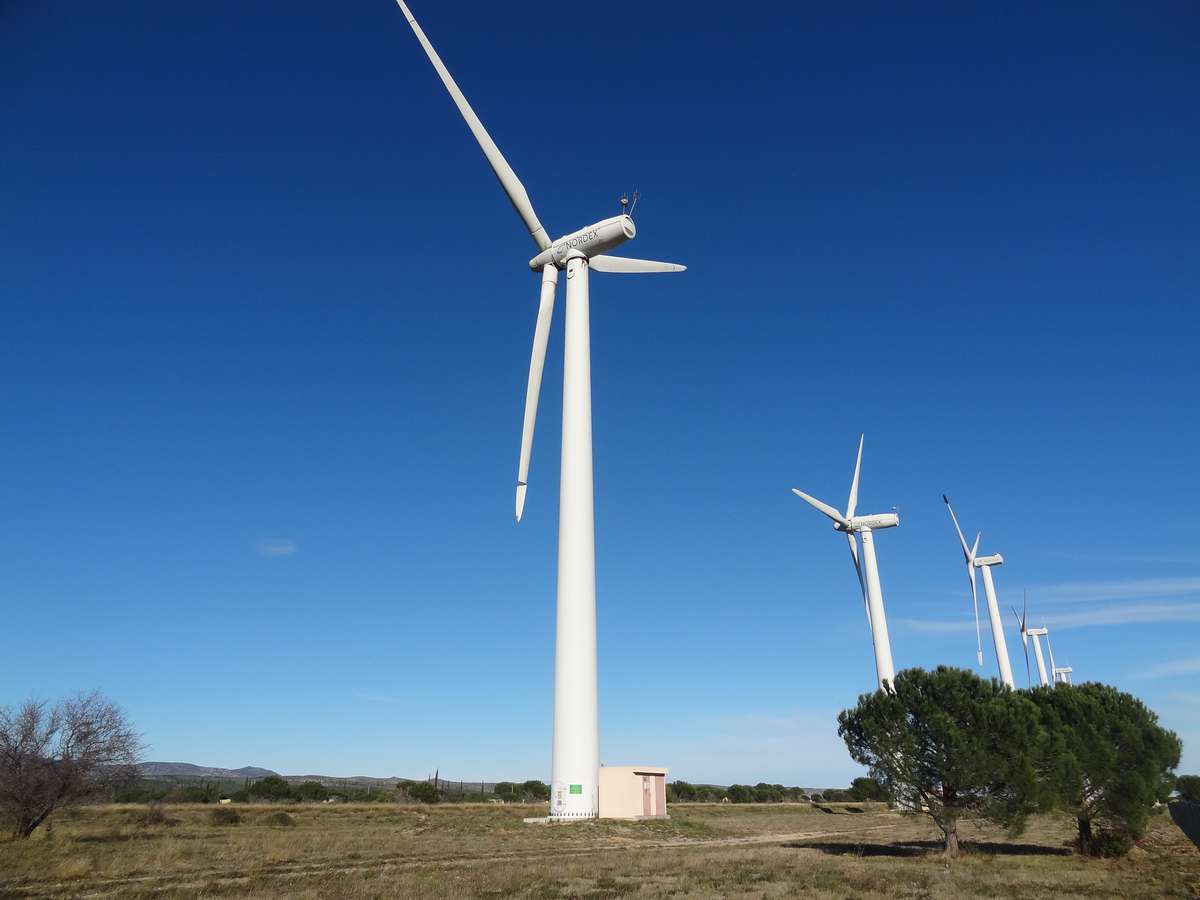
375 851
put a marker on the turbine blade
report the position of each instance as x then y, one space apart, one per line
852 502
537 361
627 266
975 603
1020 626
823 507
504 172
962 540
1025 644
862 584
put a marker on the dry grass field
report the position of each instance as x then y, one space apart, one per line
376 851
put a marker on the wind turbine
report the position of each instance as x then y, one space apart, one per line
576 753
1036 634
984 564
868 573
1058 674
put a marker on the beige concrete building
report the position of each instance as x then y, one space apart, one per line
633 792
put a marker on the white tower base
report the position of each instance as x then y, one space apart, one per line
879 630
1041 663
574 788
989 590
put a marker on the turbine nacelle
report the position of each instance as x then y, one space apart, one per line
994 560
869 523
588 242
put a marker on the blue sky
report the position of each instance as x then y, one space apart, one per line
266 333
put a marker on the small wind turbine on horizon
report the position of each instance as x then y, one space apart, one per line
868 572
984 564
576 754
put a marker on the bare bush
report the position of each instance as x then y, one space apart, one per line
53 756
223 815
154 814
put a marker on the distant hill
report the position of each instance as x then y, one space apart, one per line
189 772
177 771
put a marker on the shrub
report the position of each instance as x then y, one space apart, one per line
311 792
272 788
193 793
868 789
152 815
536 790
1188 787
740 793
1108 843
223 815
280 818
422 792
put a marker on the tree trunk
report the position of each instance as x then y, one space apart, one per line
1085 834
952 838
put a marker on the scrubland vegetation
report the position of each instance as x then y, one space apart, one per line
467 850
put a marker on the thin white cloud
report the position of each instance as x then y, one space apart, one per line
1124 557
271 548
377 698
1128 614
1127 589
1118 614
934 626
1171 668
790 747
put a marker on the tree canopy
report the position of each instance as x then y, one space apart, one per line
868 789
949 744
52 756
1188 787
1108 763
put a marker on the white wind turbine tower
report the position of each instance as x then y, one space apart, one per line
868 572
576 754
984 564
1036 634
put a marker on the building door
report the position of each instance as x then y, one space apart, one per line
647 795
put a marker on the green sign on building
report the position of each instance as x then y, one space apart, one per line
577 789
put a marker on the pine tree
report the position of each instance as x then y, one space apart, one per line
951 745
1109 763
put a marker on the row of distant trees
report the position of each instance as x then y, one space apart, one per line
274 789
954 746
861 790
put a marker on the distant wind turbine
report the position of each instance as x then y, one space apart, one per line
1036 634
868 572
1058 674
984 564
